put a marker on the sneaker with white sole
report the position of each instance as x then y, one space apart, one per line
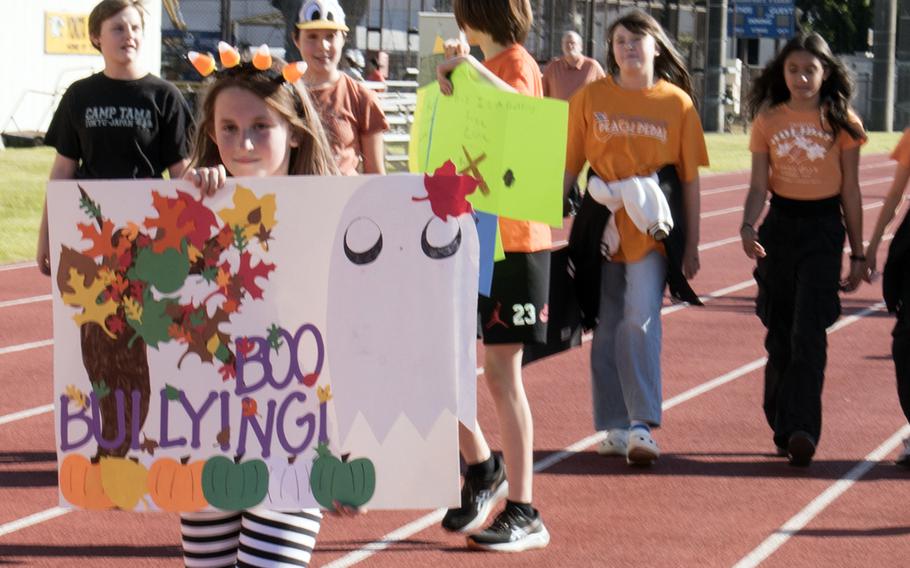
642 449
903 458
512 531
615 444
478 498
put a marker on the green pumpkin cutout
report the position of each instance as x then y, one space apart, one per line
232 485
349 482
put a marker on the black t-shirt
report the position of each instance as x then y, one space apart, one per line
121 129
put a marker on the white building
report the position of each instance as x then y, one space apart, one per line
45 48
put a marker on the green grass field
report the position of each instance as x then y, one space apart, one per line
23 172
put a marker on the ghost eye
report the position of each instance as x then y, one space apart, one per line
362 241
443 251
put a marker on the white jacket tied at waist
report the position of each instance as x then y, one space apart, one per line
643 201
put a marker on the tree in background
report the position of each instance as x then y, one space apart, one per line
844 24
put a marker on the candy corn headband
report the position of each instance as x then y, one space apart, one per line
231 63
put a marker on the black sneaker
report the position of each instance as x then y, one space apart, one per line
478 497
800 449
512 531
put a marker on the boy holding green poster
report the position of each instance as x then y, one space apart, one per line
520 288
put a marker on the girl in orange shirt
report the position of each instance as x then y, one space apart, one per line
805 150
631 124
520 283
896 284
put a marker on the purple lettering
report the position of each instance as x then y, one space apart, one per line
65 418
307 421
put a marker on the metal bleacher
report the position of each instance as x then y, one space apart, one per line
398 100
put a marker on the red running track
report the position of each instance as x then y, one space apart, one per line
718 496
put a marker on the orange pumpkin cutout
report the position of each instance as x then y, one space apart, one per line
176 487
80 483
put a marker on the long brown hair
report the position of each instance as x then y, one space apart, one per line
312 156
668 65
770 88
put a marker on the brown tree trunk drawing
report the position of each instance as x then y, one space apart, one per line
121 367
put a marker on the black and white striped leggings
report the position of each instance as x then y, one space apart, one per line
255 537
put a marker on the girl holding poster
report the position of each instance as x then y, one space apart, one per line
350 112
896 282
520 282
121 123
256 120
629 125
805 150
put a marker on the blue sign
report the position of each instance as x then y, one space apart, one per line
761 18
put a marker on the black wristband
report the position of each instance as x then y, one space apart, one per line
858 258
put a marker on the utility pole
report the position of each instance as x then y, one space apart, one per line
883 64
902 106
226 27
590 29
712 114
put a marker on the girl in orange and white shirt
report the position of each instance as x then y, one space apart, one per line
632 123
805 150
896 282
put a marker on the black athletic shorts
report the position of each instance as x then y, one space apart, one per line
517 309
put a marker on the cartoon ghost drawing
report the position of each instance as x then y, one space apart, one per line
402 304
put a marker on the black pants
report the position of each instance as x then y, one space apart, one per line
798 284
900 346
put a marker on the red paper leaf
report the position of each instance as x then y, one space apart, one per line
248 274
249 407
447 191
170 230
227 371
101 242
198 218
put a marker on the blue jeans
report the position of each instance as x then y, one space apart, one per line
625 352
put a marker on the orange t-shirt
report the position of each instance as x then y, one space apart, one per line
561 79
348 111
515 66
804 156
901 152
625 133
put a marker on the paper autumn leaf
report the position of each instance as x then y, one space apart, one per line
85 297
76 396
248 274
148 445
447 191
133 309
70 258
249 212
101 241
197 218
153 327
170 230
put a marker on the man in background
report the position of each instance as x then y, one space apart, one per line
565 75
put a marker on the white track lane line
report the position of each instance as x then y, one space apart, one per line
32 520
23 414
428 520
18 266
29 300
26 346
815 507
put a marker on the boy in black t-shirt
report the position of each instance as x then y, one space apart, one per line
122 122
